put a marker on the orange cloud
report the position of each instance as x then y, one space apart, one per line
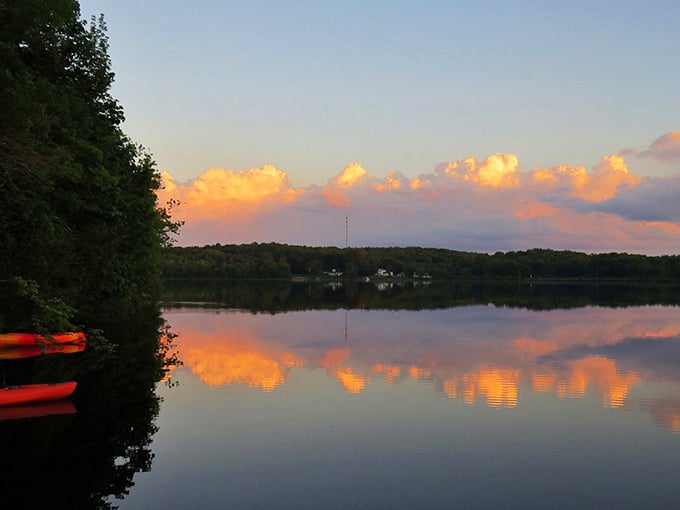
536 209
666 226
609 174
351 175
472 205
575 177
167 183
336 198
496 171
220 193
391 182
418 183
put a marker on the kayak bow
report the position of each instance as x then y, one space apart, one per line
13 395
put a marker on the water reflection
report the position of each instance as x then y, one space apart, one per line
236 358
665 410
85 453
476 354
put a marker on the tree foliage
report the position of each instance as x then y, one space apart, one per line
273 260
78 211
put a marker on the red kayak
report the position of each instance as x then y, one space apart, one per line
31 351
24 339
14 395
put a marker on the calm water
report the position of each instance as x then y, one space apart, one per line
468 407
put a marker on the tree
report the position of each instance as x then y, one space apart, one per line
78 209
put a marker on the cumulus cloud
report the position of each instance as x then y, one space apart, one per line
225 194
392 181
665 149
575 181
469 204
654 200
336 198
351 175
496 171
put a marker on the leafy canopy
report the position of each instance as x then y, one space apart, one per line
78 209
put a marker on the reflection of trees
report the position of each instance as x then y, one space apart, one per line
80 460
276 296
603 352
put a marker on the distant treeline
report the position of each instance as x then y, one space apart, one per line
281 261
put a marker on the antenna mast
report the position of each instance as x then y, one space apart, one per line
346 231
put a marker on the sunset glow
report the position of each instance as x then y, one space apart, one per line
596 372
427 124
497 386
459 205
571 354
222 359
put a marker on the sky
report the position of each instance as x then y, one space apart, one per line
481 126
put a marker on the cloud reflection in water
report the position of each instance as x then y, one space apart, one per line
472 354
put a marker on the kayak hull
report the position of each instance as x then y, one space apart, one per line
15 395
26 339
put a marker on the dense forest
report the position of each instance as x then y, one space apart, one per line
80 229
273 260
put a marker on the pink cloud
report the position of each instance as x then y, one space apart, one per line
336 198
665 149
470 204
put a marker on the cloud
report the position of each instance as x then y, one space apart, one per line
336 198
392 181
470 204
351 175
496 171
665 149
655 200
225 194
575 181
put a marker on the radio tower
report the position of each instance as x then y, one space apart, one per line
346 231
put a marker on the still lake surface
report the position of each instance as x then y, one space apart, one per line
366 403
474 406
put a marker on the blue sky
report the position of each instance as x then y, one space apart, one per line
310 86
481 126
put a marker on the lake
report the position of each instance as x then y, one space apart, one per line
475 405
